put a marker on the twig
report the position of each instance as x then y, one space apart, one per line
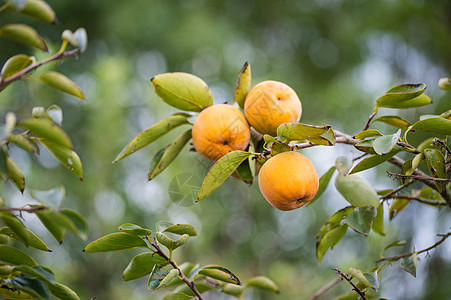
188 282
420 199
324 289
355 288
395 258
34 66
367 124
390 194
23 209
418 177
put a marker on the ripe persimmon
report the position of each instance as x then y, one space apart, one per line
219 129
271 103
288 180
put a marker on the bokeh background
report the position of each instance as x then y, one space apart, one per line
339 56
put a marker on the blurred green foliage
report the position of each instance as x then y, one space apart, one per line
338 55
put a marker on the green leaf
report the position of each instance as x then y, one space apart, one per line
365 146
421 100
264 283
33 240
356 273
168 278
361 220
62 292
14 256
182 229
220 171
48 131
357 190
15 174
329 240
15 64
399 94
243 84
378 224
170 153
430 193
434 125
384 144
233 289
323 183
220 273
320 135
177 296
37 272
155 278
397 206
79 222
151 134
62 83
67 157
183 91
445 84
409 263
115 242
16 226
245 173
344 163
368 133
397 243
56 223
437 166
170 244
374 160
134 229
37 9
23 142
338 216
23 34
394 121
34 287
142 264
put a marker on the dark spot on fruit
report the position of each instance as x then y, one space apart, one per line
225 143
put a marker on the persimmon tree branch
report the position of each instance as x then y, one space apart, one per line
32 67
420 199
23 209
395 258
324 289
418 177
349 279
188 282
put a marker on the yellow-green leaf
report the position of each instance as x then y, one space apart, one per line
37 9
62 292
62 83
220 273
15 64
397 206
264 283
47 131
141 265
394 121
134 229
437 166
151 134
67 157
23 34
170 244
15 174
323 183
23 142
434 125
33 240
368 133
183 91
115 242
12 255
378 224
399 94
373 160
328 240
445 84
243 84
16 227
320 135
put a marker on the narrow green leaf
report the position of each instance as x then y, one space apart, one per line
421 100
151 134
220 273
37 9
37 272
437 166
357 190
361 220
378 224
233 289
323 183
15 64
314 134
243 84
366 146
34 287
23 142
368 133
356 273
183 91
182 229
409 263
134 229
56 223
170 244
434 125
400 93
374 160
397 206
16 226
430 193
245 173
156 276
115 242
62 83
328 240
394 121
14 256
15 174
264 283
48 131
384 144
78 220
67 158
62 292
33 240
168 278
177 296
170 153
220 171
142 264
397 243
339 215
23 34
278 147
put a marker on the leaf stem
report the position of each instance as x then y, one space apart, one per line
368 122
